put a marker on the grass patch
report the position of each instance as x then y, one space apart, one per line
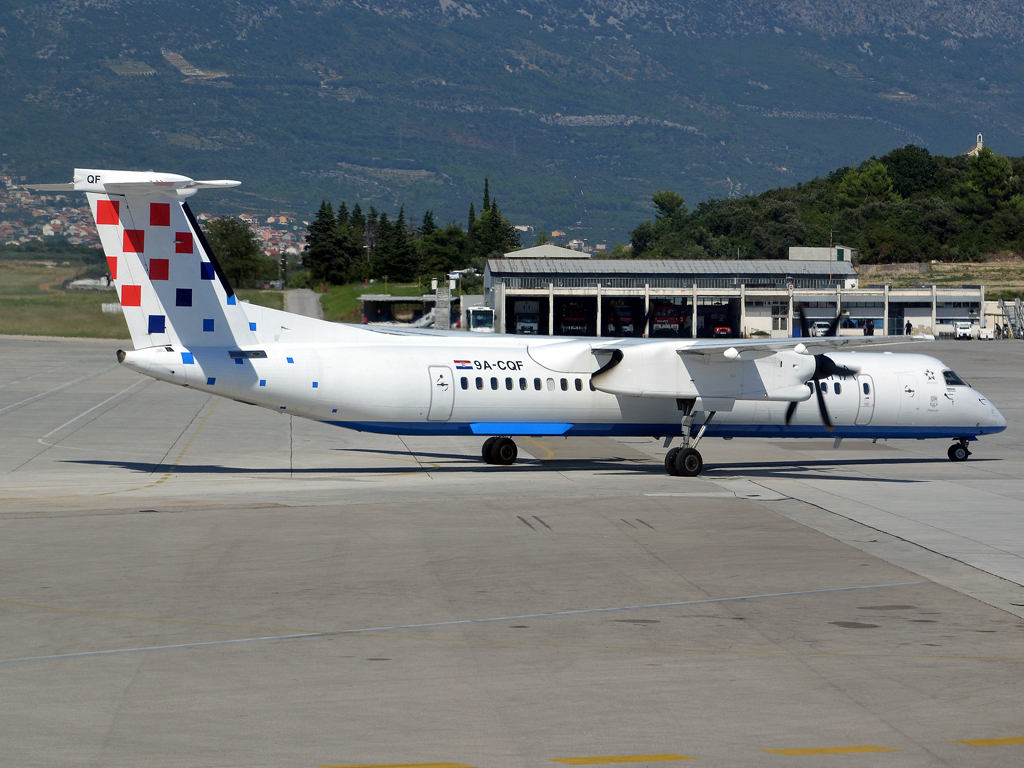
61 314
272 299
341 302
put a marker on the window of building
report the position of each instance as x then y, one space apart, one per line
780 316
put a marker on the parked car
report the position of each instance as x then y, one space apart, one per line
722 331
820 327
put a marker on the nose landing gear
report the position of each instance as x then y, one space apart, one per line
499 450
958 451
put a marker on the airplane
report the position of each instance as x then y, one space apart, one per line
188 328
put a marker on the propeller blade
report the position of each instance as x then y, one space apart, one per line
805 329
821 406
825 366
834 325
790 411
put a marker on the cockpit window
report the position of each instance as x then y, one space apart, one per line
952 380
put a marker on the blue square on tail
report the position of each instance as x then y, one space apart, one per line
211 381
187 358
183 297
231 300
157 323
206 270
252 326
263 382
208 325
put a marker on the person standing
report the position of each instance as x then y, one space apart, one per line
909 329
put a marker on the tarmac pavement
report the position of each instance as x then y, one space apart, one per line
188 581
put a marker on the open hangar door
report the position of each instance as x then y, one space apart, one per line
526 316
718 318
575 315
622 316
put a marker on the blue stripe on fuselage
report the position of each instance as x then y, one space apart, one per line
535 429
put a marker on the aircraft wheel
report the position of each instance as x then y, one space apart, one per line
958 452
689 463
504 451
486 450
670 462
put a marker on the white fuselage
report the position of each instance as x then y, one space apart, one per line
373 380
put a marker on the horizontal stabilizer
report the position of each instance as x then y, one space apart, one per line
134 183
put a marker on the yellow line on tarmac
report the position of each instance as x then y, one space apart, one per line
994 742
620 759
832 750
551 454
181 454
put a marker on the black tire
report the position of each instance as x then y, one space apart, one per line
958 452
504 451
486 450
670 462
689 463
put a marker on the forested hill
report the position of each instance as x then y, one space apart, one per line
575 110
905 206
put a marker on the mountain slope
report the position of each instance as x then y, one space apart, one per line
575 111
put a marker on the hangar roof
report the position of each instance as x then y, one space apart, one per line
675 267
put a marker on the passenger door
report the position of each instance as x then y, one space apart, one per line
442 393
867 400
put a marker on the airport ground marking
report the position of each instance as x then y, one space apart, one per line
620 759
181 454
1005 742
853 750
42 439
400 765
144 649
41 395
550 453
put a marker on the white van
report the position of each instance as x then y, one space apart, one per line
962 330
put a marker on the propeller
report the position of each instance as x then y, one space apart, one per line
824 366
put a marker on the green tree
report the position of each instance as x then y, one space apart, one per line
870 182
541 237
238 250
642 239
912 170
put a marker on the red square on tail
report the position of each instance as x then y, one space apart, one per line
134 241
112 263
108 212
183 242
158 269
131 296
159 214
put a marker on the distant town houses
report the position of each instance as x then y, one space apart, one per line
26 217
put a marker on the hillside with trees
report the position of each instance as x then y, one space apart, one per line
346 246
907 206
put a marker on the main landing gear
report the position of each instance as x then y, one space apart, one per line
686 460
500 450
958 450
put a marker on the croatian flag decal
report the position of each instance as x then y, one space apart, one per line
463 364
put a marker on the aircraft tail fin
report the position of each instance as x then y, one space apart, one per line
172 289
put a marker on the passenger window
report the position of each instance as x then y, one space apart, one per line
509 384
565 385
592 387
579 385
551 385
479 383
536 384
823 386
494 382
522 383
465 383
839 388
867 388
952 380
